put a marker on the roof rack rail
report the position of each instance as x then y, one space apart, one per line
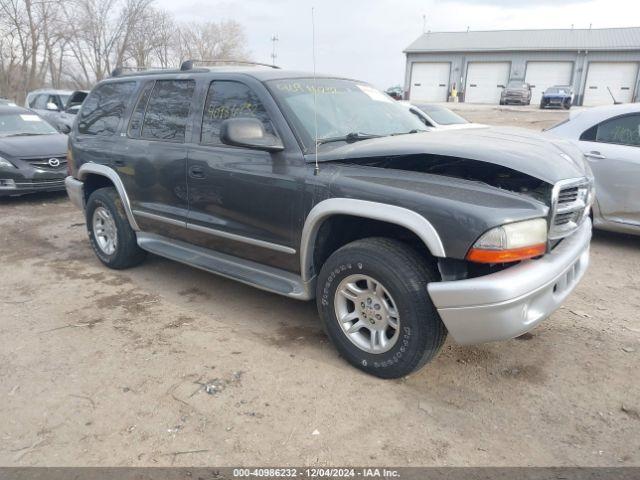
189 64
116 72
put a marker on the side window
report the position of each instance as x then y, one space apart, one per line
168 110
590 135
137 117
102 110
622 131
230 99
40 102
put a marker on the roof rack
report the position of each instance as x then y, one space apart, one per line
189 64
116 72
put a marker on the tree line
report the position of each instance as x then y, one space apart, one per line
75 43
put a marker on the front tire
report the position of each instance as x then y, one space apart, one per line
112 238
373 301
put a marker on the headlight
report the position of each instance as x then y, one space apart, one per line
511 242
4 163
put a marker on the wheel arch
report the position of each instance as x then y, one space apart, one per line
94 176
380 212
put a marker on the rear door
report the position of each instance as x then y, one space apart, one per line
153 167
242 201
613 151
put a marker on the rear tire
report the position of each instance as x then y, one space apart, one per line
389 325
112 238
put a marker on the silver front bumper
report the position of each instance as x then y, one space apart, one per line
511 302
75 191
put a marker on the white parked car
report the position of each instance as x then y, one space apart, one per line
609 137
437 117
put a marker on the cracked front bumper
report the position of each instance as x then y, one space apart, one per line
513 301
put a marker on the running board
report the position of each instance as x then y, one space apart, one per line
245 271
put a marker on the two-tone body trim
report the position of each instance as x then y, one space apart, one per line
95 168
365 209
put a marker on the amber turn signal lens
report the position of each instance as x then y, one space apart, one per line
479 255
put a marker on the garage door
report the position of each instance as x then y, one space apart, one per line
429 82
485 81
620 78
542 75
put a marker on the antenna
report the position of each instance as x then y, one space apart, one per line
315 87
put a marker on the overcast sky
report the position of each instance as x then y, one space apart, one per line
364 39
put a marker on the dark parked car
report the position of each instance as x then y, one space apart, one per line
32 153
325 188
517 92
397 93
557 96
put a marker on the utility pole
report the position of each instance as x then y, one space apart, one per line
424 23
274 39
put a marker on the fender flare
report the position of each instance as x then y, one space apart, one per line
87 169
362 208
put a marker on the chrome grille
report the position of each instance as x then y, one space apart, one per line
43 162
570 201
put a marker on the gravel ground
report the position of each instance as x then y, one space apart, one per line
167 365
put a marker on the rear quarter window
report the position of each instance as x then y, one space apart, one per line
104 107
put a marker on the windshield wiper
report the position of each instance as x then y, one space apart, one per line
349 138
407 133
23 134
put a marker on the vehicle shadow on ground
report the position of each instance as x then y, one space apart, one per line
614 239
38 197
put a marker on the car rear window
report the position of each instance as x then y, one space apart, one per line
104 107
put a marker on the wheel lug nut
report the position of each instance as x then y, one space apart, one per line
362 304
377 306
369 301
378 317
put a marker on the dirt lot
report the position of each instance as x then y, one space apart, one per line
166 365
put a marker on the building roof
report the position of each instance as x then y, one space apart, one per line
517 40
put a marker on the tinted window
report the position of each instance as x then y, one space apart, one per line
40 102
104 107
137 117
230 100
168 110
622 131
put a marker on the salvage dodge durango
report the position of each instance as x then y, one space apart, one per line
325 188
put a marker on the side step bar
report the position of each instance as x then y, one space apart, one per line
245 271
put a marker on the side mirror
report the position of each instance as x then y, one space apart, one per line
248 133
64 128
52 107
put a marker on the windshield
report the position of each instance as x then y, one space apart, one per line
64 98
345 109
557 90
442 115
13 124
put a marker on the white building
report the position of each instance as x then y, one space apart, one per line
480 64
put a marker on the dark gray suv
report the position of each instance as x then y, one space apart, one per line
325 188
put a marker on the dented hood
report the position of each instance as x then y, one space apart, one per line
536 154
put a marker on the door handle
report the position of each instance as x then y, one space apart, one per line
196 172
596 155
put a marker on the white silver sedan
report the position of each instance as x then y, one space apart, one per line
437 117
609 137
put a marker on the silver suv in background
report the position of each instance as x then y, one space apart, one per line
516 92
58 107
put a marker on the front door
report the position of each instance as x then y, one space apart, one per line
243 202
613 151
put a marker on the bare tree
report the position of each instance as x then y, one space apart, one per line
212 40
74 43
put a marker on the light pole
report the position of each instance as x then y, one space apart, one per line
274 39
